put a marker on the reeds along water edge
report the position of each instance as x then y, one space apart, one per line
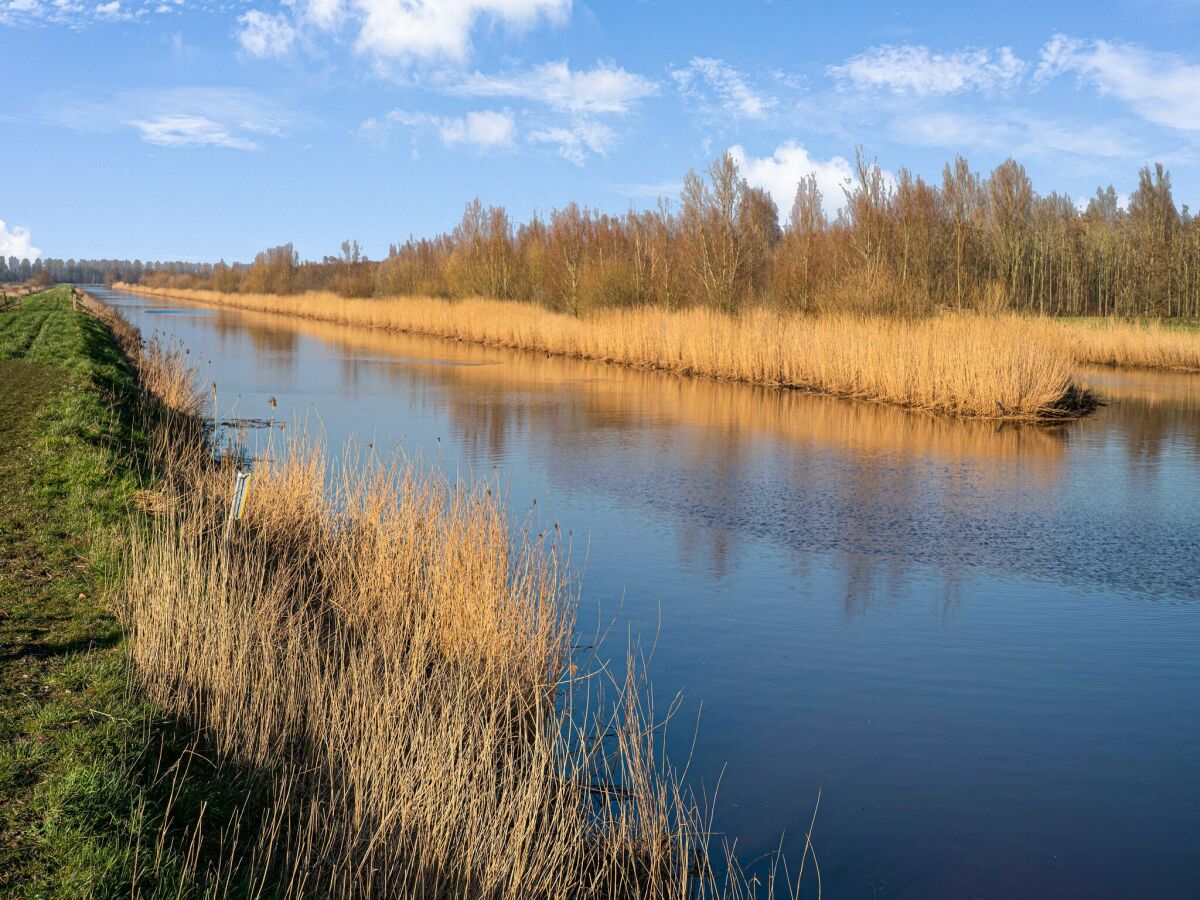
997 367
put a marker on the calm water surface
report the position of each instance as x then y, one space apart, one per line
980 643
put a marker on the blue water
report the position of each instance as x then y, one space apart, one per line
979 643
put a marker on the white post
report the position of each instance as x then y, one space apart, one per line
241 489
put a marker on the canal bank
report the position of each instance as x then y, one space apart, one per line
92 800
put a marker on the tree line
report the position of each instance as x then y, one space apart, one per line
899 244
92 271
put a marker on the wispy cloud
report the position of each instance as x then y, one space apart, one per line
489 130
607 88
715 86
1017 132
17 241
1162 88
84 13
264 35
911 69
189 131
574 143
230 118
648 190
482 130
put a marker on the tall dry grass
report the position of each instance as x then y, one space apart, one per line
398 669
1120 342
992 367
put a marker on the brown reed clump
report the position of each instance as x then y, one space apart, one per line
385 651
1005 367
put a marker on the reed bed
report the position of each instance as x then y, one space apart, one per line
630 395
1003 367
1120 342
401 670
398 669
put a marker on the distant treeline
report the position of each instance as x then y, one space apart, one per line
900 244
92 271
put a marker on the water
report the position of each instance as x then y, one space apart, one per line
978 642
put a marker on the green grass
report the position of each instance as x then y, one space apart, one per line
86 766
1102 321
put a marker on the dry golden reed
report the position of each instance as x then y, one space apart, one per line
400 668
992 367
1118 342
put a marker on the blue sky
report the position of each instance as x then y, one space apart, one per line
207 129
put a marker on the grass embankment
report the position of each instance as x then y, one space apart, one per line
88 770
1006 367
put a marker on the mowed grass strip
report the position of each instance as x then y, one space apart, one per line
85 764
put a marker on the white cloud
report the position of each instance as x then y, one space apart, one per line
265 35
326 14
17 241
489 129
910 69
1016 132
82 13
1160 87
713 84
440 29
484 130
177 117
648 191
949 129
576 142
604 89
780 173
189 131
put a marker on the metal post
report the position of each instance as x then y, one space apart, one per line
241 490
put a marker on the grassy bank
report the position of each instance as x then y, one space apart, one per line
998 368
89 770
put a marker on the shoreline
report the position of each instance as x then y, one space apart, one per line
997 370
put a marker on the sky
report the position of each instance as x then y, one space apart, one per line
209 129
